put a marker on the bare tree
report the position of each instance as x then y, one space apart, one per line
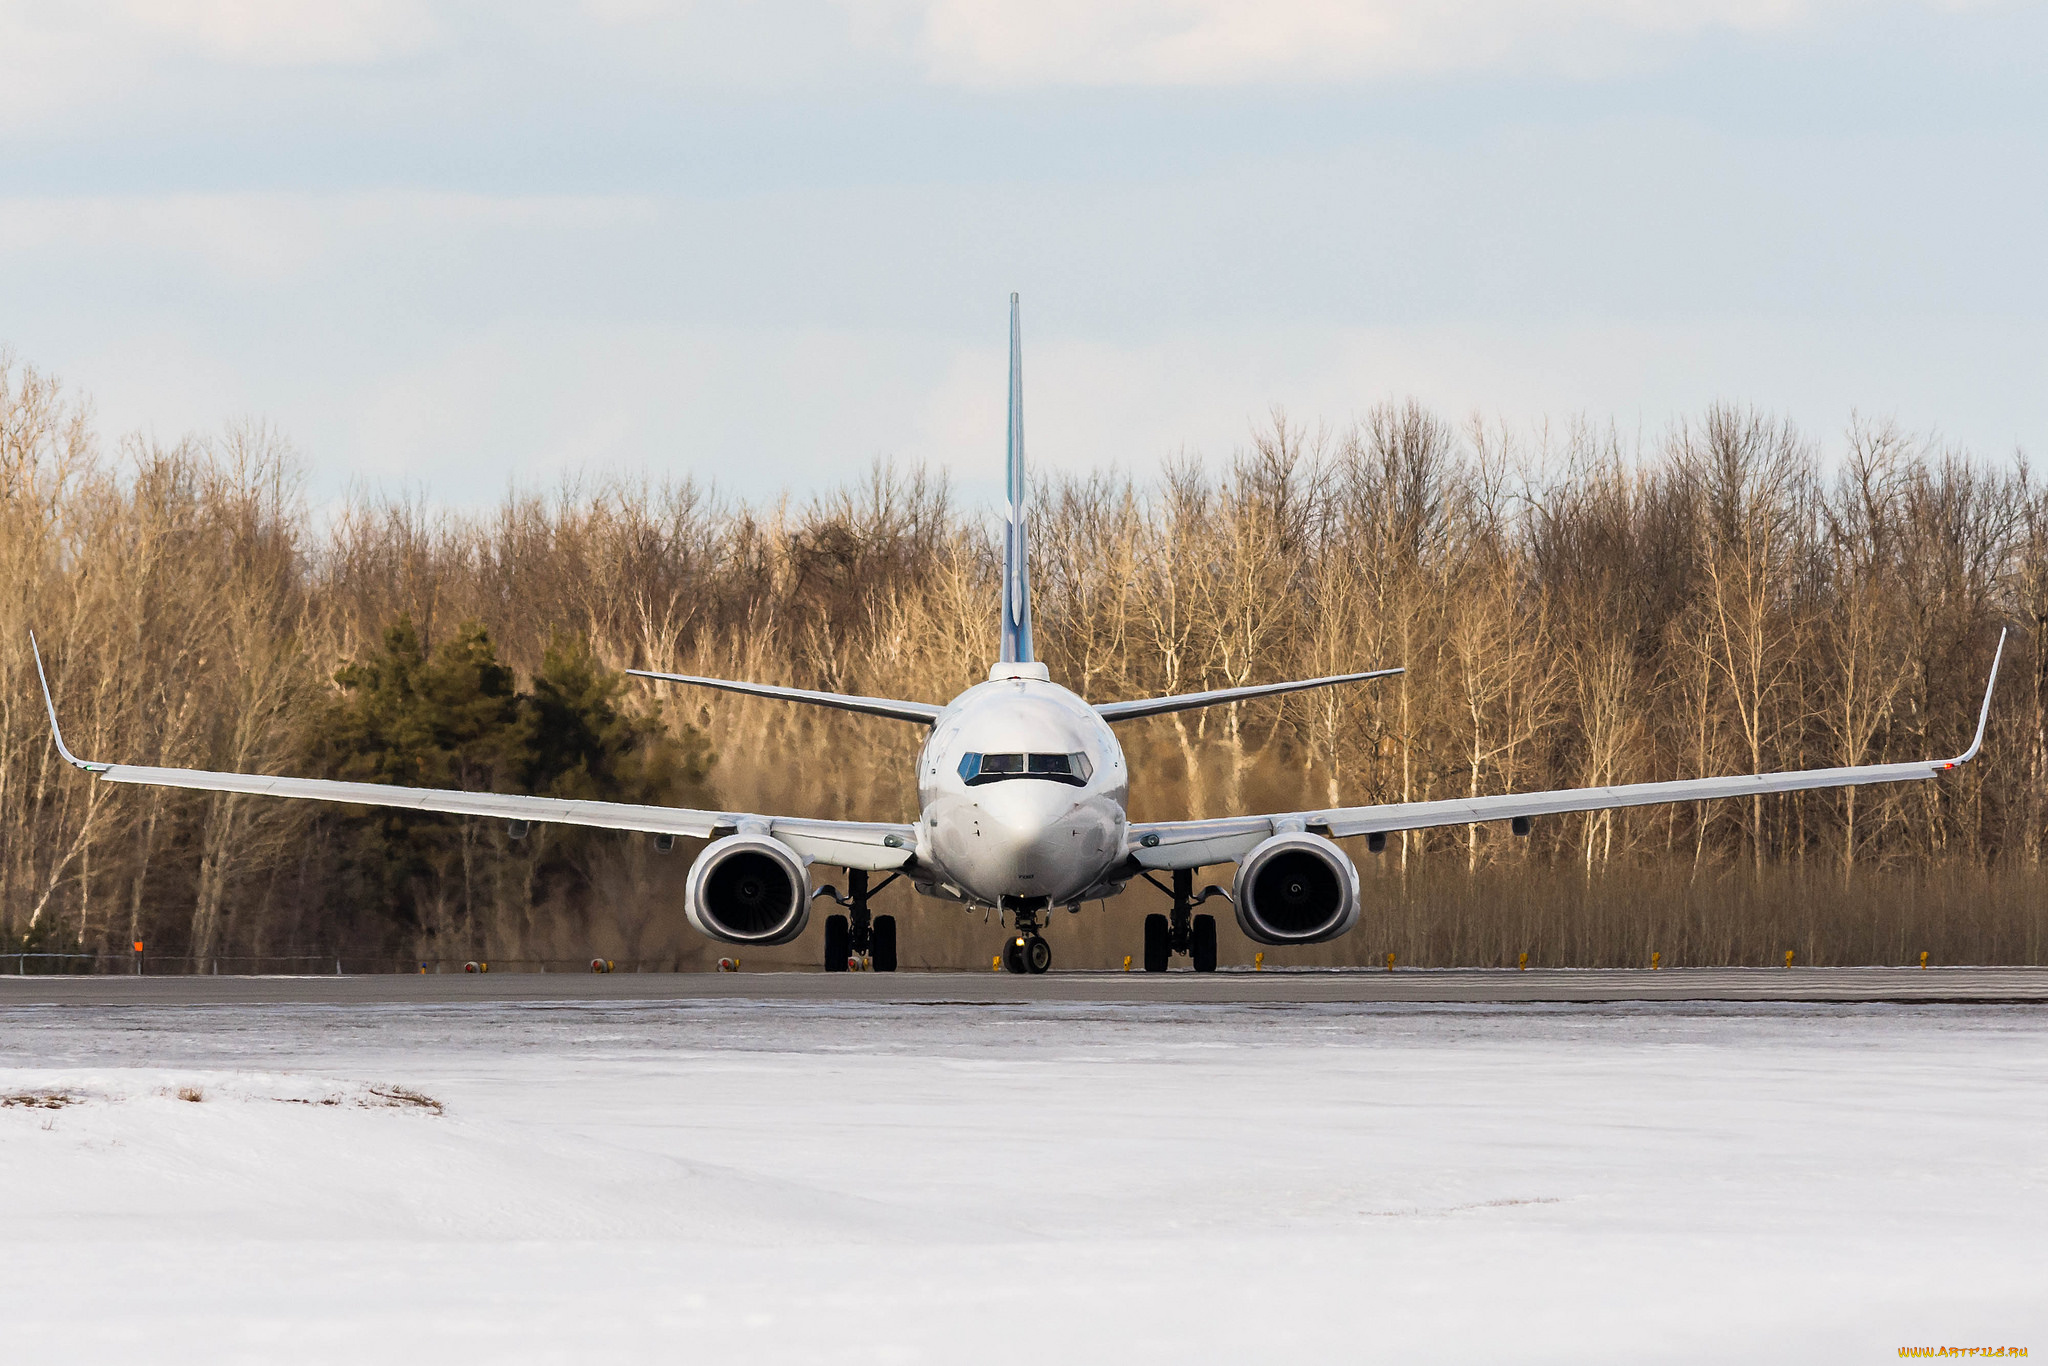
1604 611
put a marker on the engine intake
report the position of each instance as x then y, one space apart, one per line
1296 888
749 889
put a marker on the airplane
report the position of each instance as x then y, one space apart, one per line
1023 798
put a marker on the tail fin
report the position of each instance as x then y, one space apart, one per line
1016 561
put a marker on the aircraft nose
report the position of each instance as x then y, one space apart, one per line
1022 814
1033 838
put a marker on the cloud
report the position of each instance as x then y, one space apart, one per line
1205 42
258 239
455 341
60 58
283 33
163 57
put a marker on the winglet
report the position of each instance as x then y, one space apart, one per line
56 733
1984 713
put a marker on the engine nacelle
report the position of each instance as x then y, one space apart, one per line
1296 888
749 889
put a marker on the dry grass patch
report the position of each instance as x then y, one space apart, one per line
375 1098
37 1100
400 1098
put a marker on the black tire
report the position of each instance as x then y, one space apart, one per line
1037 954
838 943
1013 955
882 943
1202 943
1158 943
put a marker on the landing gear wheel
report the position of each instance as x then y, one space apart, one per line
838 943
1013 955
1158 943
882 943
1202 943
1037 954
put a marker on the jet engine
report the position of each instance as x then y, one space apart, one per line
1296 888
749 889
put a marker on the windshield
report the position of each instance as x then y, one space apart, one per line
977 769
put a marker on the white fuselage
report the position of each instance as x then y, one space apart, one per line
997 817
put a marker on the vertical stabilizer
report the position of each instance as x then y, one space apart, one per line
1016 562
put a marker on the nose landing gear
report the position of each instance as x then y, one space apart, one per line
1182 932
1027 953
1026 950
857 935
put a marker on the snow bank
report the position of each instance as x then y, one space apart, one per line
896 1184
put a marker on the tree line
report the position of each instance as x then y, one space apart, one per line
1573 607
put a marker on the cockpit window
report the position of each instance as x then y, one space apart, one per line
976 769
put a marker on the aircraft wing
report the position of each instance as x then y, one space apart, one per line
924 713
1192 844
1187 701
849 844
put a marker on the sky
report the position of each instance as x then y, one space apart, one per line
453 247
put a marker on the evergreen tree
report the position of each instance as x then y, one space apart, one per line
455 717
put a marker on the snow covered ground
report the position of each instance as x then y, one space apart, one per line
878 1183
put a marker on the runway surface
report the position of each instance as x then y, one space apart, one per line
1474 987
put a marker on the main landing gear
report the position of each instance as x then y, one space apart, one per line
1026 950
1183 931
857 934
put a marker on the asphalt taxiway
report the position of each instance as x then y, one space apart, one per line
1960 985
